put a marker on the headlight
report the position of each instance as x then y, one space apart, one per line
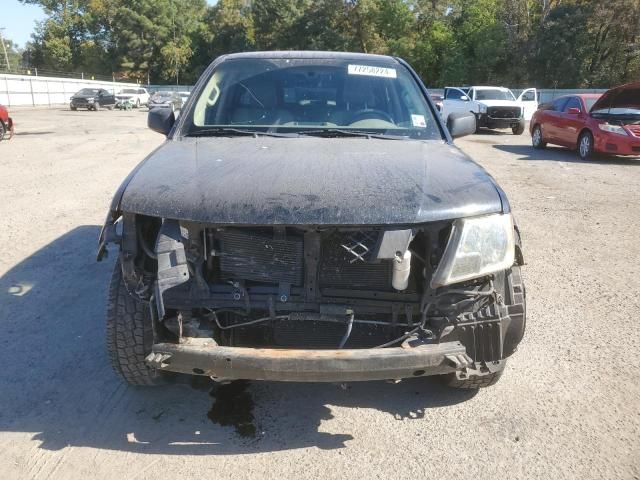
477 247
482 107
612 128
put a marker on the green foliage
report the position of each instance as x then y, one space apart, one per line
546 43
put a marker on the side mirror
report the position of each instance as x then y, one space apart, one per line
161 120
461 124
464 98
574 111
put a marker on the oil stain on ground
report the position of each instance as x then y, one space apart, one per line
233 406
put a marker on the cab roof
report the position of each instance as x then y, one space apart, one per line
277 54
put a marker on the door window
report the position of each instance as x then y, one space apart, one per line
453 94
559 103
573 102
529 96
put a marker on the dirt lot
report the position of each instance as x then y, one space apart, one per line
567 407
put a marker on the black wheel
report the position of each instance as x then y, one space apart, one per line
518 129
536 138
472 382
585 145
3 130
74 108
129 334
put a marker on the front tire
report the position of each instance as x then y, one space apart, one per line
518 129
3 130
536 138
129 334
472 382
585 145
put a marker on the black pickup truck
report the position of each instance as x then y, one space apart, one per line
310 219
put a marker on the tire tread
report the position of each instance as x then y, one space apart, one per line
129 334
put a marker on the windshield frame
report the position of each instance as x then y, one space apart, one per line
184 122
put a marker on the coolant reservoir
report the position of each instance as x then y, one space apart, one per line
401 271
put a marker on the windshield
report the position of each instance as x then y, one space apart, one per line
88 91
590 102
162 95
300 96
492 94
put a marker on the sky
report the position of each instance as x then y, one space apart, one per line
19 20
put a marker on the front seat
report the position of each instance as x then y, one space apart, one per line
258 105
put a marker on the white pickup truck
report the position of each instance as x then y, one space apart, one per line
494 107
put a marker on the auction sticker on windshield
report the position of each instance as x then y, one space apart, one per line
372 71
418 121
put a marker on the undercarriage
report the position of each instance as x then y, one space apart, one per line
313 303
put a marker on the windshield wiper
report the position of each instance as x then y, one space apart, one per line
233 132
338 132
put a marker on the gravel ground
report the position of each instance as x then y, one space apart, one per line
568 405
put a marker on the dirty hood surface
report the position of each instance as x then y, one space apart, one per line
308 180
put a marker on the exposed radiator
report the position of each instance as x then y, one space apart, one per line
339 270
261 258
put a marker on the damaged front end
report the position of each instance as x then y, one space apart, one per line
314 303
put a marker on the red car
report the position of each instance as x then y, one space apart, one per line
6 124
591 123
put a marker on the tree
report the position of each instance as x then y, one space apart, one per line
547 43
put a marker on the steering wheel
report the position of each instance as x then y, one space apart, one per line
366 112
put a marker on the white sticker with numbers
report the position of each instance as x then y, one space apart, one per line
418 121
372 71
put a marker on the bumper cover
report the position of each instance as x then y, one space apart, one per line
617 144
203 357
485 120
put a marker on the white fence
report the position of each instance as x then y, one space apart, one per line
31 90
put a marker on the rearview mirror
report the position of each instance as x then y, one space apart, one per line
161 120
461 124
464 98
573 111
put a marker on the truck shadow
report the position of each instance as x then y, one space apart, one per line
57 383
561 154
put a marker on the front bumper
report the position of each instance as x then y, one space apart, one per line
82 104
485 120
204 357
613 144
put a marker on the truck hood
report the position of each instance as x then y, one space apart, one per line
500 103
309 181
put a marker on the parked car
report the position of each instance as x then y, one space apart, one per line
591 123
138 96
6 124
92 99
166 99
310 219
494 107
